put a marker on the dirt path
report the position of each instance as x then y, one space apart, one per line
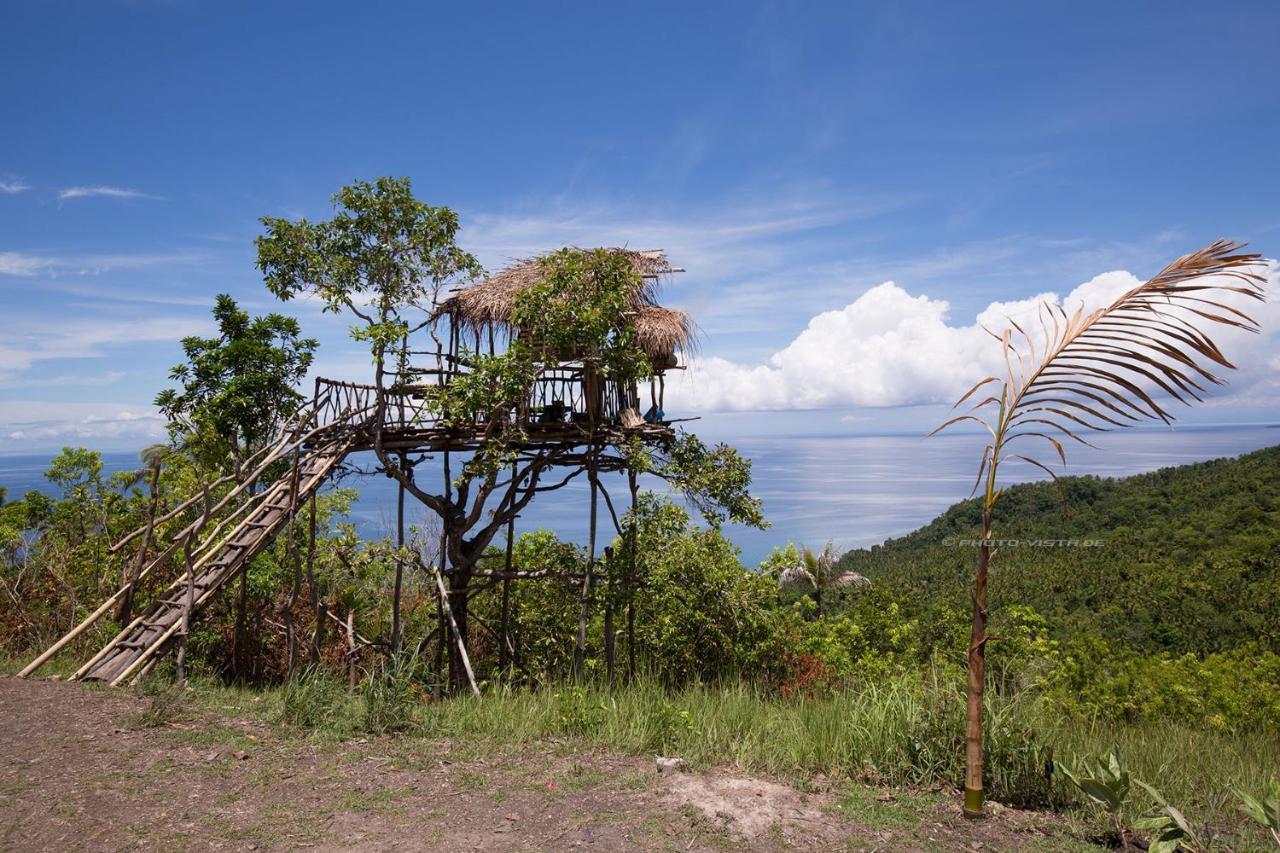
97 769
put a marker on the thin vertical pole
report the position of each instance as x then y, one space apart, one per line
395 604
631 581
294 560
504 641
317 604
580 652
187 606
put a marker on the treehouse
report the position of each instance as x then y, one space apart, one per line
572 397
569 386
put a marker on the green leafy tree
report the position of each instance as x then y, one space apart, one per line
383 256
236 389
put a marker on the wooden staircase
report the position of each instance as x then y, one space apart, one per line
218 558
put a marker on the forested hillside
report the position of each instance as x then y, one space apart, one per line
1152 595
1183 559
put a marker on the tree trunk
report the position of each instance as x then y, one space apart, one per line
973 795
395 600
457 607
458 648
131 582
317 605
504 641
584 598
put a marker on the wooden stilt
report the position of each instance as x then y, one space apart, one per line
457 635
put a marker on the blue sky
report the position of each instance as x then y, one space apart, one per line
793 157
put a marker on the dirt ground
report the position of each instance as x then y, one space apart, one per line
95 769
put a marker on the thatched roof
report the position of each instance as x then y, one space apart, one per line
660 331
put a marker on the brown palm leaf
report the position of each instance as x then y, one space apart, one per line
1111 368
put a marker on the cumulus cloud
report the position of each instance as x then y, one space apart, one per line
891 348
100 191
12 187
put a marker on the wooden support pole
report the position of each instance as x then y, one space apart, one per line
317 603
631 580
395 598
295 561
131 582
351 648
188 605
584 598
462 645
504 641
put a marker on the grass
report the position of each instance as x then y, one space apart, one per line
904 732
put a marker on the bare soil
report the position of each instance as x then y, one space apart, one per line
85 768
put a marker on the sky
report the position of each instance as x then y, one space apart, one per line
850 187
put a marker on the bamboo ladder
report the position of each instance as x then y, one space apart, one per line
219 558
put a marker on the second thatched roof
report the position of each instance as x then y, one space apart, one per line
659 331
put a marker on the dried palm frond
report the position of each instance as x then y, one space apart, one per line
847 579
797 576
1107 369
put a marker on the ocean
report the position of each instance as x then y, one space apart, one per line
855 490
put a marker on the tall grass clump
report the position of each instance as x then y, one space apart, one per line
317 699
391 695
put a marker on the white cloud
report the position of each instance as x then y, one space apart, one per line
101 191
30 422
22 265
28 264
12 187
65 380
890 348
24 342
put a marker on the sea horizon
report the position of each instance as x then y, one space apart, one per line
853 490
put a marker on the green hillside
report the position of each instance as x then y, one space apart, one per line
1174 613
1183 559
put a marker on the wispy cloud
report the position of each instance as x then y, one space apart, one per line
22 265
65 380
12 187
101 191
28 423
24 341
27 264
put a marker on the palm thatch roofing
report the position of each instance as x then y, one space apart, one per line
660 331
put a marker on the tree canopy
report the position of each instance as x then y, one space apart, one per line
384 252
236 389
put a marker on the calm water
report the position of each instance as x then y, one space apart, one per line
854 490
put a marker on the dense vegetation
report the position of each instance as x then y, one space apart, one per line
1151 596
